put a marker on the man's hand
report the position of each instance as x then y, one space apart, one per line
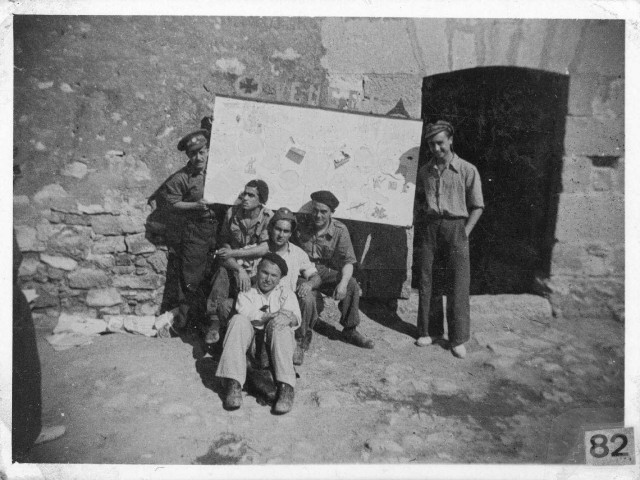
340 292
224 253
201 205
244 282
303 289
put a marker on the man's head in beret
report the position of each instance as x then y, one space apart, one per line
271 269
439 138
281 227
196 146
324 204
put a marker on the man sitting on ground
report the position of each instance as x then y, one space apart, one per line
329 246
243 241
269 305
303 276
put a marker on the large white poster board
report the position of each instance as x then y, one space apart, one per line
369 162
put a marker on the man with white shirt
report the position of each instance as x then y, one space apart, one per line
269 305
303 277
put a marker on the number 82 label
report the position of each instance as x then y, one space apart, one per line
614 446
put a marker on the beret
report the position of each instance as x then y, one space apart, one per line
194 141
278 260
325 197
432 129
284 213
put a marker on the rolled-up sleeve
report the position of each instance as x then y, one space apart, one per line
473 187
173 191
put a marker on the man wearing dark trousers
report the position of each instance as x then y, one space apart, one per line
183 193
328 244
453 205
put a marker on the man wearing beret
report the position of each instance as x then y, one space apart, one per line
303 276
454 203
269 305
183 193
244 240
329 246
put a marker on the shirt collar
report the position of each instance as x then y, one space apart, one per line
331 229
453 164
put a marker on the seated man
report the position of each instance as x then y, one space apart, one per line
243 241
329 246
303 276
272 305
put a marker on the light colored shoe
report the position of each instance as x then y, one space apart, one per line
426 341
50 433
459 351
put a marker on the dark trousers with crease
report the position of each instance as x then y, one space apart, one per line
349 306
444 242
197 243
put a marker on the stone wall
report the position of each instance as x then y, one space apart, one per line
100 103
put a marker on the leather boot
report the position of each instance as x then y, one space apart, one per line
212 331
285 398
351 335
233 395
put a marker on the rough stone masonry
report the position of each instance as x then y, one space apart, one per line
100 103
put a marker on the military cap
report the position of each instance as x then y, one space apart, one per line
194 141
284 213
278 260
327 198
432 129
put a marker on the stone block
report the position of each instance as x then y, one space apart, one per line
104 245
585 297
55 273
103 297
138 282
74 169
45 299
86 278
124 259
576 174
530 49
71 241
608 103
123 269
27 239
602 179
158 261
498 38
567 259
73 219
49 193
106 225
103 260
590 136
432 41
92 209
62 263
137 244
563 46
590 217
602 49
386 43
132 224
463 49
29 266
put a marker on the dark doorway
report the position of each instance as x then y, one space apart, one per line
510 123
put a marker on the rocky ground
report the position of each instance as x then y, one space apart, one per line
520 396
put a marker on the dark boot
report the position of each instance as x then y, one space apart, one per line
351 335
298 354
285 398
212 330
233 395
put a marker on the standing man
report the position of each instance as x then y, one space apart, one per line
303 277
243 239
271 305
328 245
183 193
453 206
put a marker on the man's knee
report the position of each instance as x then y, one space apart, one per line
239 322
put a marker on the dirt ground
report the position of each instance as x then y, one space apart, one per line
527 384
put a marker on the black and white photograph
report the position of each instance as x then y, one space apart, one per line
269 240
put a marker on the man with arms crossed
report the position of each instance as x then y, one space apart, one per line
453 206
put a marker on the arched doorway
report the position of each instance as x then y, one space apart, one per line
510 123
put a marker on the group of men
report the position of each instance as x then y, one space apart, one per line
266 286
